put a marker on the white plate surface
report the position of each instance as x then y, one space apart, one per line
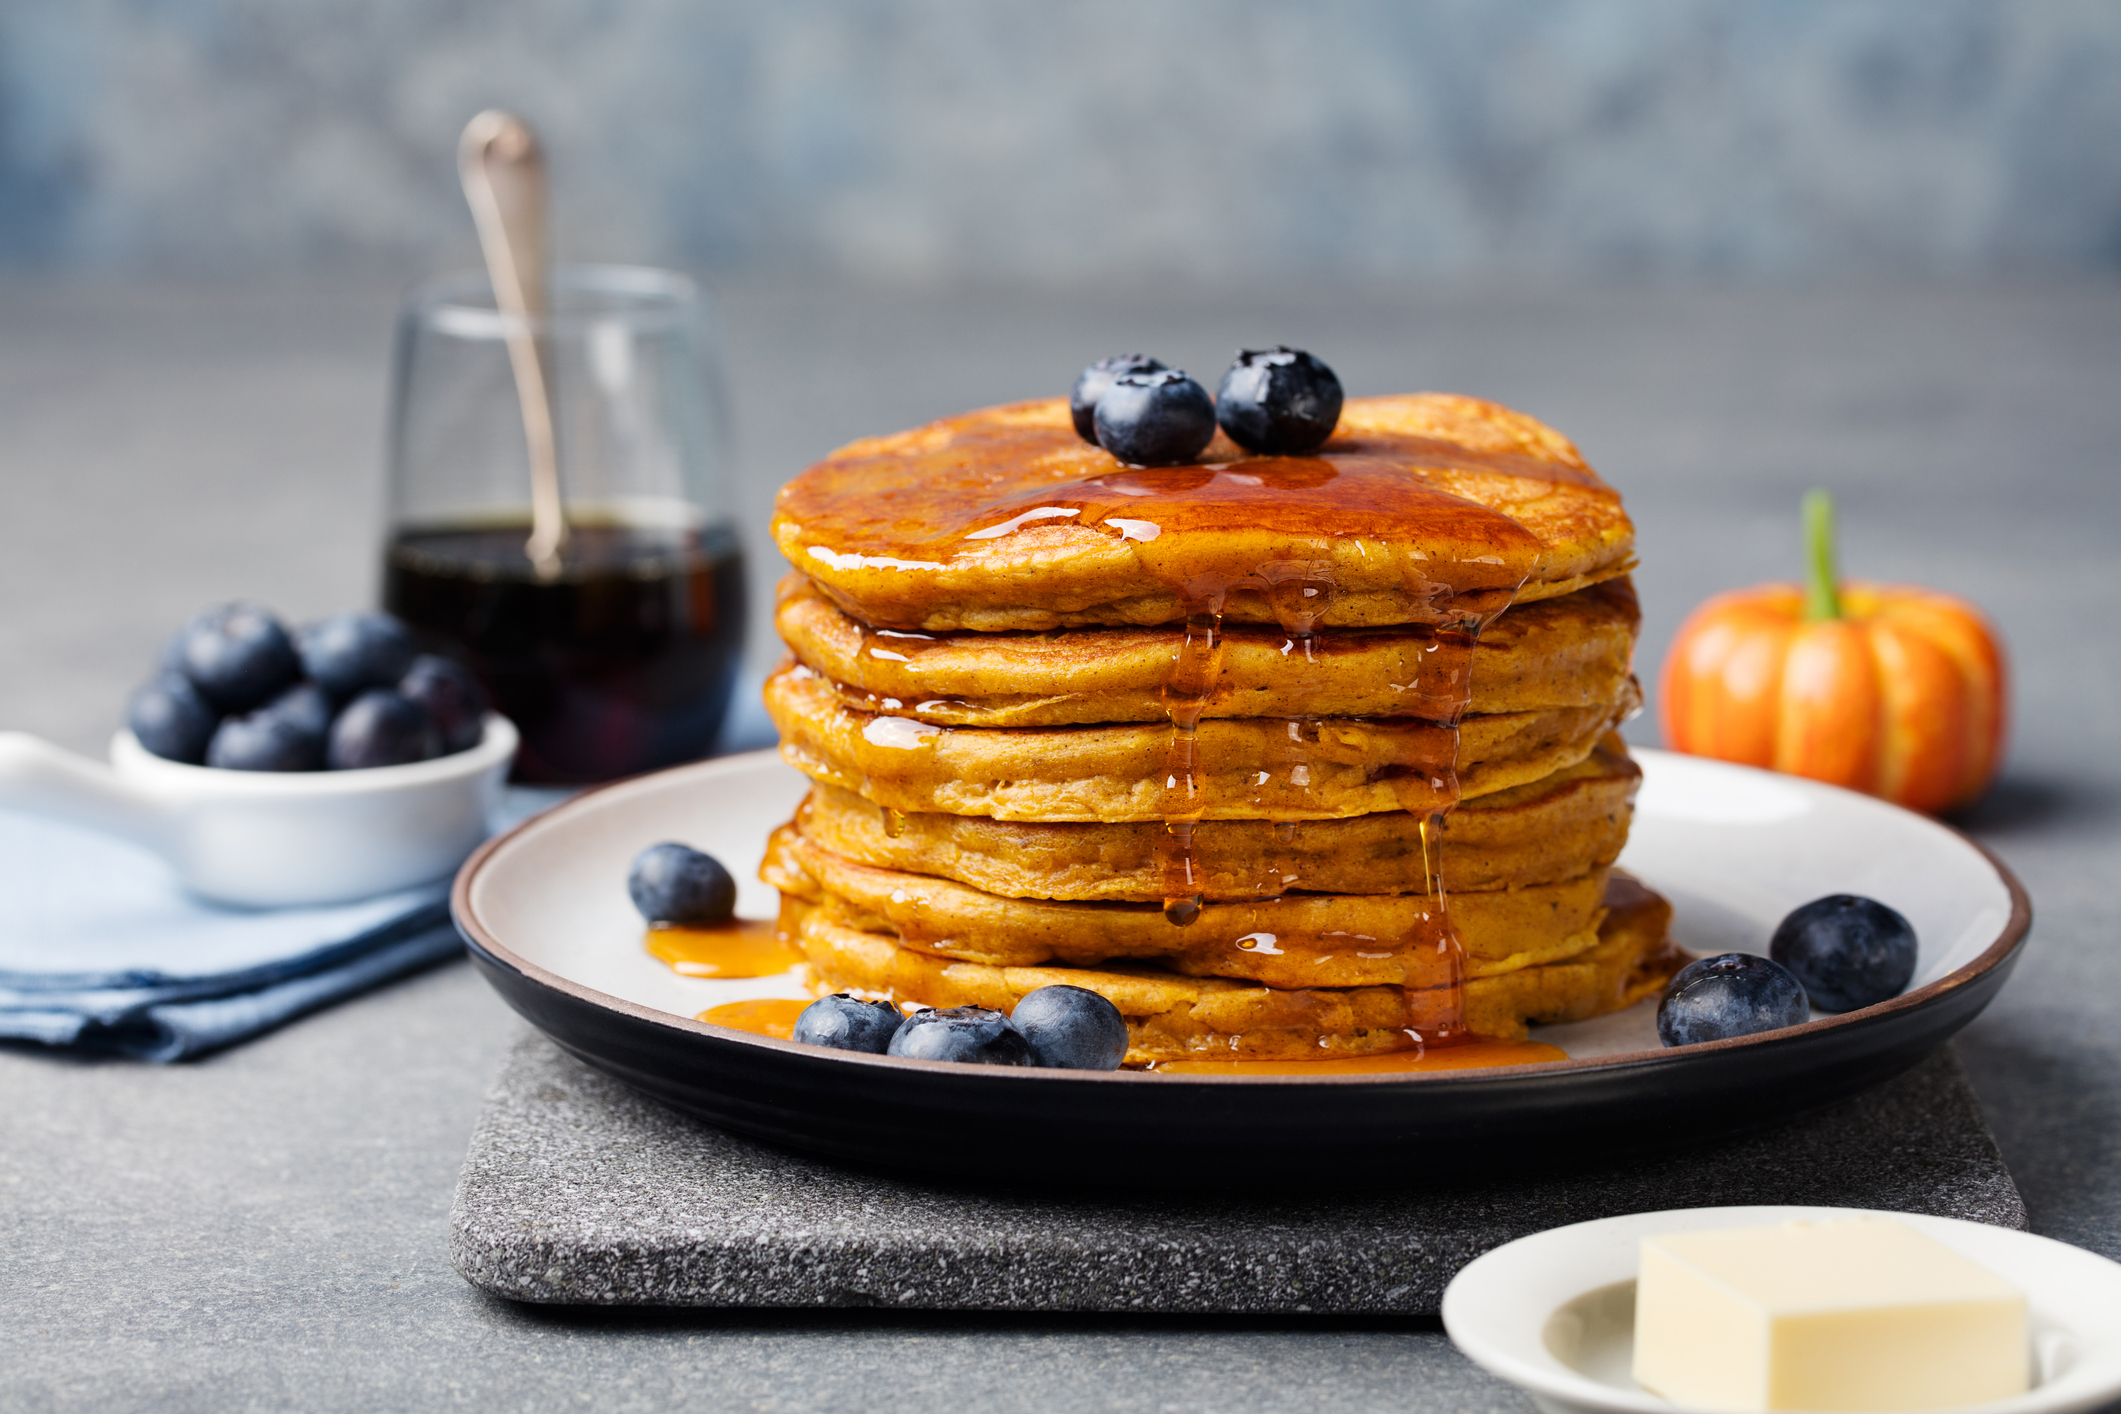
1733 848
1554 1312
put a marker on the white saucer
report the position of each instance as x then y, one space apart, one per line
1555 1312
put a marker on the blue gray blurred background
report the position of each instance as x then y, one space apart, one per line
1734 249
939 140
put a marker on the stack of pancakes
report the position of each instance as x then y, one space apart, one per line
1306 757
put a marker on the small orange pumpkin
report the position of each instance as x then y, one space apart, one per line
1886 688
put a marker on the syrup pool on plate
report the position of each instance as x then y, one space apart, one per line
764 1016
1476 1054
742 947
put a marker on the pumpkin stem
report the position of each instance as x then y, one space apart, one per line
1822 592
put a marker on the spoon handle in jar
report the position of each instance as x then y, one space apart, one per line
503 172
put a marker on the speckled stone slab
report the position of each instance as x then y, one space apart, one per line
578 1190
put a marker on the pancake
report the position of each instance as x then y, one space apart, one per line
1421 508
1558 827
1298 940
1171 1017
1573 651
1022 672
1250 768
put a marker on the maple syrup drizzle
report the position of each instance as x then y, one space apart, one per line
770 1016
1186 691
1475 1054
1300 592
742 947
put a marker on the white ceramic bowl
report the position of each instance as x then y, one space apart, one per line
1554 1313
268 839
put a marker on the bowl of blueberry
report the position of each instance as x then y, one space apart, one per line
272 767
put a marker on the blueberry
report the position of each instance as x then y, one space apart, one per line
1071 1028
1280 402
1090 385
283 735
1162 418
381 727
171 719
237 655
1847 950
675 883
452 696
1734 994
307 706
848 1024
349 652
972 1034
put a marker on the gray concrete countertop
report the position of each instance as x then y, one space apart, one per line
267 1229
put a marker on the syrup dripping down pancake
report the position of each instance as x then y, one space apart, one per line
1297 940
1172 1017
1559 827
1574 651
1250 769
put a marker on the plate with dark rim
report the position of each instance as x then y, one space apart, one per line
545 911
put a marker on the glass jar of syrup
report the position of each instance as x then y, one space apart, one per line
617 654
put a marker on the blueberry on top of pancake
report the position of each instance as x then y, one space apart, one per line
1091 383
1280 401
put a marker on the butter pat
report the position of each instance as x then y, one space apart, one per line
1865 1313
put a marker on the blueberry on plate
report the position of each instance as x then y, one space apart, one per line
280 736
1279 402
452 696
1847 950
675 883
1071 1028
1734 994
381 727
1160 418
1090 385
975 1035
349 652
237 655
847 1023
170 718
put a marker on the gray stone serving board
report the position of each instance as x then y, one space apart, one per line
579 1190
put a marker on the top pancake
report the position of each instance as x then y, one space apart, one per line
1421 508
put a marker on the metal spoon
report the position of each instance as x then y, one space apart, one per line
503 172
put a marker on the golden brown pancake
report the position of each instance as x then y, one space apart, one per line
1573 651
1558 827
1420 508
1250 768
1171 1017
1298 940
1001 637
